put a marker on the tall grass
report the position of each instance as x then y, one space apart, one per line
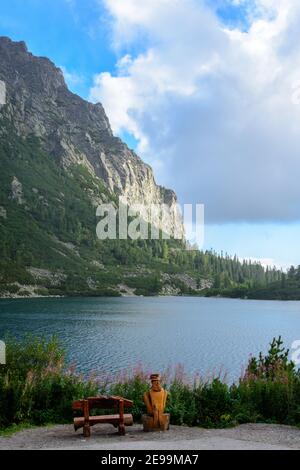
36 387
268 391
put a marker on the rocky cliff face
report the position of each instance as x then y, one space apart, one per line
73 130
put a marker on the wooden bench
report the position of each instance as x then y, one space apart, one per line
118 420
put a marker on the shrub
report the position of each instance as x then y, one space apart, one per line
132 387
270 386
35 385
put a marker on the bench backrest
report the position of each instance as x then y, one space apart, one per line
102 402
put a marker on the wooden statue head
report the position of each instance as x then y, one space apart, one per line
155 381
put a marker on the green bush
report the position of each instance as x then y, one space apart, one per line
35 385
270 387
134 389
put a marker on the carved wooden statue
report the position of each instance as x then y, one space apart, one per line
155 400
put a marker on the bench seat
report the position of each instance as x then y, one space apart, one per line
110 419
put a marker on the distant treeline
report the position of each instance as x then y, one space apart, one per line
287 287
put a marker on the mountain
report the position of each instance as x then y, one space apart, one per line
72 130
59 159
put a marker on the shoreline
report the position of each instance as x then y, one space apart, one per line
90 296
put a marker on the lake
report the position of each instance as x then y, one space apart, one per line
109 335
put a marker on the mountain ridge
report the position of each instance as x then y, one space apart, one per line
73 130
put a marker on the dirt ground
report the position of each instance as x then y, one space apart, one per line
104 437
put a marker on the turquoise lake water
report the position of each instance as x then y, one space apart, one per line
109 335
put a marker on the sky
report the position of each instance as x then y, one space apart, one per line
206 91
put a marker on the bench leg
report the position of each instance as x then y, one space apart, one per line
86 423
86 431
121 422
121 429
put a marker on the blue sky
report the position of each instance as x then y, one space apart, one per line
197 102
72 35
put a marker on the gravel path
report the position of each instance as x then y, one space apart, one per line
246 436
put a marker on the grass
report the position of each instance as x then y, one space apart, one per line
14 428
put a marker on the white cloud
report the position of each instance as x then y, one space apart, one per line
214 109
71 78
